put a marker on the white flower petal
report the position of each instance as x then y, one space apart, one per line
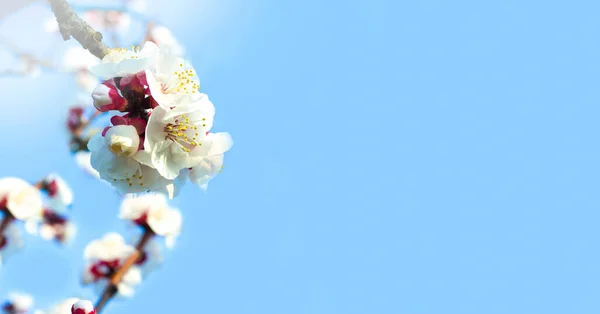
221 143
160 159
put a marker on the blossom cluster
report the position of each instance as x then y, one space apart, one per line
105 256
163 137
21 303
41 206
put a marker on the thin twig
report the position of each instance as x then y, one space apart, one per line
111 288
70 24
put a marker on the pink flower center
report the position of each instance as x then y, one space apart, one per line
104 269
52 188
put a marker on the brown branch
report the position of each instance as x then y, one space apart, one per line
70 24
111 288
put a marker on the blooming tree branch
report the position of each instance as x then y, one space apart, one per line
158 138
111 288
71 25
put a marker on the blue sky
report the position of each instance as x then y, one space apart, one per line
416 157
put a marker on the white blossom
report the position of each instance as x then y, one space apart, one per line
172 81
18 303
51 226
151 258
59 192
112 153
121 62
51 25
110 247
153 211
106 255
177 138
20 198
11 242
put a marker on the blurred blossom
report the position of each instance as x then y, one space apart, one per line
151 258
86 81
77 58
17 303
165 40
20 198
50 25
58 191
139 6
11 242
152 211
103 258
51 226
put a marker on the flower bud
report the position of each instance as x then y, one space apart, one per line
83 307
122 140
106 97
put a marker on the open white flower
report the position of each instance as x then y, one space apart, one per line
18 303
20 198
121 62
172 81
177 138
11 242
59 192
111 154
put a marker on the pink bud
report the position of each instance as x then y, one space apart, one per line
83 307
106 97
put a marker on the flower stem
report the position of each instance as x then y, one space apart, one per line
70 24
111 288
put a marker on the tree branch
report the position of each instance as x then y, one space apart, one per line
70 24
111 288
